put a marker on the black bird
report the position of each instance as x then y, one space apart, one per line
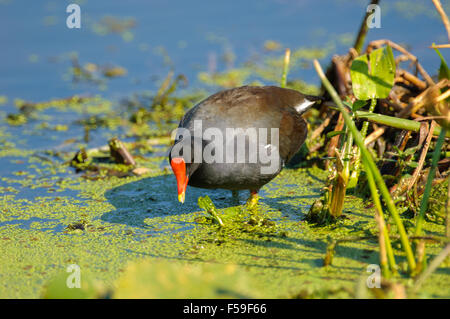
250 115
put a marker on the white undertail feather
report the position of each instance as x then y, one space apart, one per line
302 107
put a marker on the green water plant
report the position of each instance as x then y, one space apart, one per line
373 74
206 203
369 165
372 78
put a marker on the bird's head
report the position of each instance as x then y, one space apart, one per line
181 158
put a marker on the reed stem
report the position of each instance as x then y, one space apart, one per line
396 122
383 230
361 37
287 57
357 165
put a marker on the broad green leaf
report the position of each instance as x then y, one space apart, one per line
373 75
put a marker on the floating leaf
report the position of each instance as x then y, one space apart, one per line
153 278
58 288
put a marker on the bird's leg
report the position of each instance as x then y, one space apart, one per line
252 201
235 196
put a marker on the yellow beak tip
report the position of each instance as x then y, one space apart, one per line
181 197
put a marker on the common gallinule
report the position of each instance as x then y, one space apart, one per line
239 139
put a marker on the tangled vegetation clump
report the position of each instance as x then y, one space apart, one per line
397 99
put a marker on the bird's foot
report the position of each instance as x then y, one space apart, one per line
252 201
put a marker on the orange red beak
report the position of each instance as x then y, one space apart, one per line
179 169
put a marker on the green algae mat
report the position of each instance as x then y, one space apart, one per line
130 237
100 231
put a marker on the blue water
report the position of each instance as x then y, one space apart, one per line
35 41
35 46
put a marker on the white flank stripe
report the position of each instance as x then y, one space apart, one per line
300 108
